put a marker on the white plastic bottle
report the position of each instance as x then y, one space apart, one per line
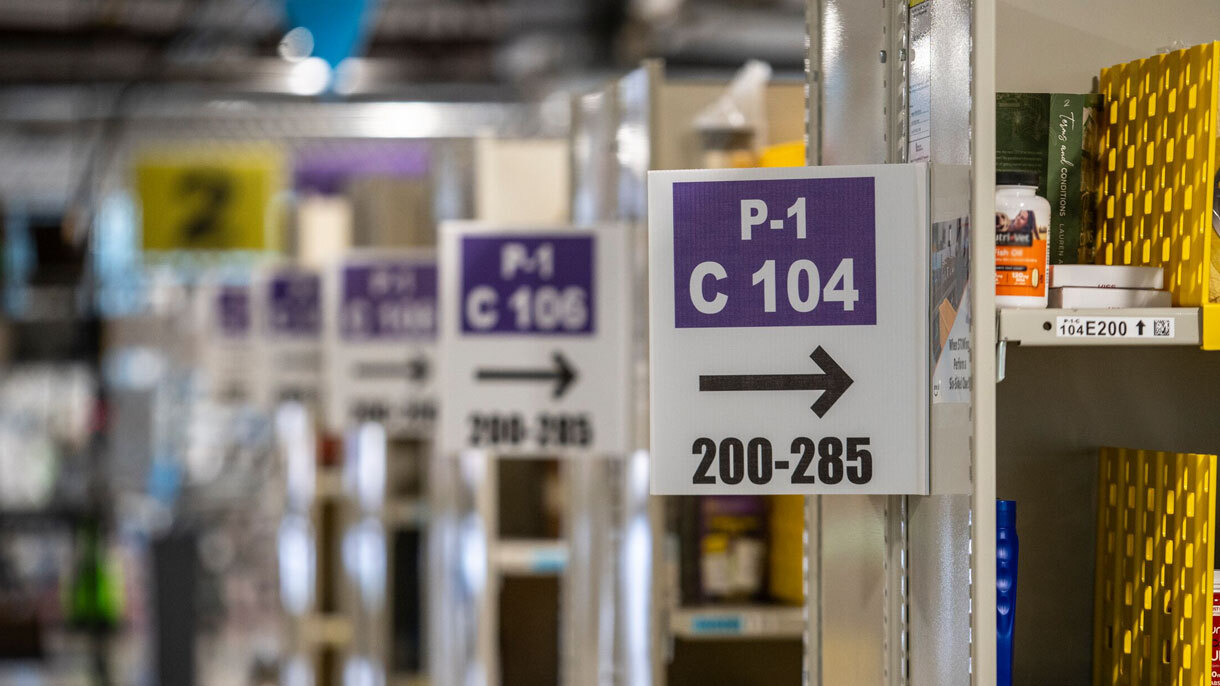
1022 224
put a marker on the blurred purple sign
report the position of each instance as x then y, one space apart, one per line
233 311
295 304
388 300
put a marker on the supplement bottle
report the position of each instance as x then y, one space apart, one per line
1022 221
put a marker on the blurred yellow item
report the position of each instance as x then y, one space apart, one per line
195 199
783 155
787 570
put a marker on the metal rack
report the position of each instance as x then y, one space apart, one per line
1062 399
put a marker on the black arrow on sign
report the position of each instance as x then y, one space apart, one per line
563 375
1140 326
833 383
417 368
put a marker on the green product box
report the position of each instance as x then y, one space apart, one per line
1051 134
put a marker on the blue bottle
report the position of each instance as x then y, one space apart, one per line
1005 587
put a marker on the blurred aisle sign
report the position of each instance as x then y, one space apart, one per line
288 302
209 200
381 341
789 319
225 310
535 332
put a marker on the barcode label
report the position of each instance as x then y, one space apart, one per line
1114 327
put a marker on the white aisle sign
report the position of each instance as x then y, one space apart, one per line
534 339
225 313
381 341
288 316
789 330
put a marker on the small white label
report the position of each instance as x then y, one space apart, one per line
1114 327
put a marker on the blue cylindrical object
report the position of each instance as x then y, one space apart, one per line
1005 587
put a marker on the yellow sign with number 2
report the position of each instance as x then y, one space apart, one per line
209 200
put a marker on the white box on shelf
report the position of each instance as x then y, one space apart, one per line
1106 276
1108 298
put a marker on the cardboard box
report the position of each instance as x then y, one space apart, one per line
1047 133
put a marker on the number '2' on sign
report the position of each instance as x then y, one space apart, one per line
796 252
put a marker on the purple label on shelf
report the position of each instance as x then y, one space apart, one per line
295 304
785 252
233 311
390 300
527 284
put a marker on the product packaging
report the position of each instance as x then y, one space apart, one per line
1108 298
733 128
1106 276
1049 134
1007 549
733 547
1213 291
1215 628
1022 218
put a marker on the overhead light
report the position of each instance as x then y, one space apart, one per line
310 76
297 44
350 75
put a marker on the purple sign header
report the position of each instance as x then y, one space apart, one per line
528 284
327 168
233 311
295 304
390 300
784 252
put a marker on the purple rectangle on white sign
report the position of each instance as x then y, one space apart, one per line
295 304
233 311
775 252
527 284
388 300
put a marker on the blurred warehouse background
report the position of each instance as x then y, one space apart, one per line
153 529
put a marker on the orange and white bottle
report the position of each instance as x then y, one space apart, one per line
1022 224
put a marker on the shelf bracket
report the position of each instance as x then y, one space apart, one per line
1001 348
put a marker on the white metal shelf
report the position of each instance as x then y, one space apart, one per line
1040 327
531 557
738 621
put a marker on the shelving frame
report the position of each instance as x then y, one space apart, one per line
893 580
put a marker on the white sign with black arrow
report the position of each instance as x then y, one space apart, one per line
534 339
789 326
380 341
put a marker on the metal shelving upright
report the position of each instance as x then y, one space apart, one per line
895 582
640 122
